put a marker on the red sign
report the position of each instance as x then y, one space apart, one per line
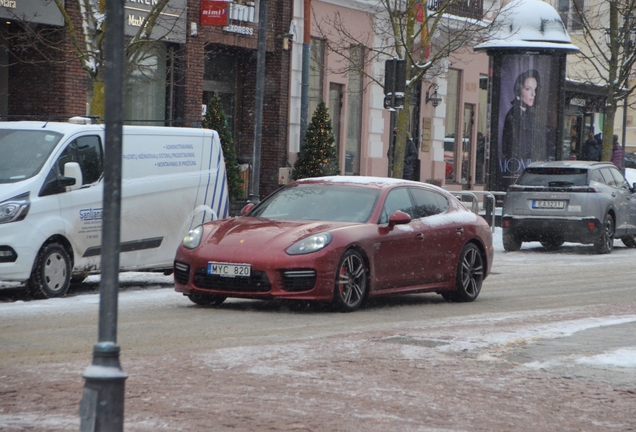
214 12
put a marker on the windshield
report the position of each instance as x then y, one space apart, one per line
24 152
553 177
325 202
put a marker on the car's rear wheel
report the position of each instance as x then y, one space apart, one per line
51 275
605 241
629 241
552 244
205 300
470 275
351 282
511 243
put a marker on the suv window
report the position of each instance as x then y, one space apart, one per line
428 203
620 181
609 178
553 177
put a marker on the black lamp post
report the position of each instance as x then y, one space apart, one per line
434 98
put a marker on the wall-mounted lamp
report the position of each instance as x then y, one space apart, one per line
434 99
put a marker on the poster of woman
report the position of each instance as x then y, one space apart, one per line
527 116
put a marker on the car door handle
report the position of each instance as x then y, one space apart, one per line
613 194
459 231
420 236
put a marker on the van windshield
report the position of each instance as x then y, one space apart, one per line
24 152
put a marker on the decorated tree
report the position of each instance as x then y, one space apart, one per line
215 119
318 157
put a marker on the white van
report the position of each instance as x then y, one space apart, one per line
51 185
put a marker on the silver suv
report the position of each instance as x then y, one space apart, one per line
570 201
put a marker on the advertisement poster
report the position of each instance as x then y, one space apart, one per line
528 101
214 12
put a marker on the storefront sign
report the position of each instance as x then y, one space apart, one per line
32 11
214 12
170 26
239 29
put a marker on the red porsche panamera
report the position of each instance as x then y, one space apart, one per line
339 239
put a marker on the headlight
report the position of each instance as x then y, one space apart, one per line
193 239
310 244
14 209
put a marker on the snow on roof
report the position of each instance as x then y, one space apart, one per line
529 24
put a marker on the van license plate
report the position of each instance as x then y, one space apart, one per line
548 204
229 270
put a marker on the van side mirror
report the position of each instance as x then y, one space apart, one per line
72 171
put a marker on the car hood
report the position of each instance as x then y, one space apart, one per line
260 232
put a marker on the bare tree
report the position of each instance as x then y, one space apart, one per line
86 37
607 64
424 35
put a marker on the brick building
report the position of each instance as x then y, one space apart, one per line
196 58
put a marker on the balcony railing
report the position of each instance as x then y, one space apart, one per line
463 8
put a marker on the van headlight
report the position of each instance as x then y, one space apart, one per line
14 209
310 244
193 239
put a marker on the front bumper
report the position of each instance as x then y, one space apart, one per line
531 228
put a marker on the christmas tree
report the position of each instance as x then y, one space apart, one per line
318 157
215 119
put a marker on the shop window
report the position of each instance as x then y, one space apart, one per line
220 76
451 129
354 110
145 100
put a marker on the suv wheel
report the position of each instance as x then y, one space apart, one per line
605 242
511 243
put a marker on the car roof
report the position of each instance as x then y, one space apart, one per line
569 164
369 181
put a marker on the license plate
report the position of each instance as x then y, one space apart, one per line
548 204
229 270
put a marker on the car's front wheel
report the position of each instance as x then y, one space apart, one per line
51 274
351 282
203 300
470 275
629 241
605 241
511 243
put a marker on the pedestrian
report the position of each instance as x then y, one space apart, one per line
410 155
592 150
617 153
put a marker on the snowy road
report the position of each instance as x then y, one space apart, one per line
551 333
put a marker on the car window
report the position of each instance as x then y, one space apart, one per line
609 178
397 199
553 177
428 203
326 202
87 152
619 179
596 176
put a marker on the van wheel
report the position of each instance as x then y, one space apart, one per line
629 241
51 275
605 241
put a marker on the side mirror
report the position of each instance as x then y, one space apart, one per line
399 218
248 208
72 171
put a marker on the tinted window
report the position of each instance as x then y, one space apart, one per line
608 177
596 176
428 203
397 199
87 152
553 177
